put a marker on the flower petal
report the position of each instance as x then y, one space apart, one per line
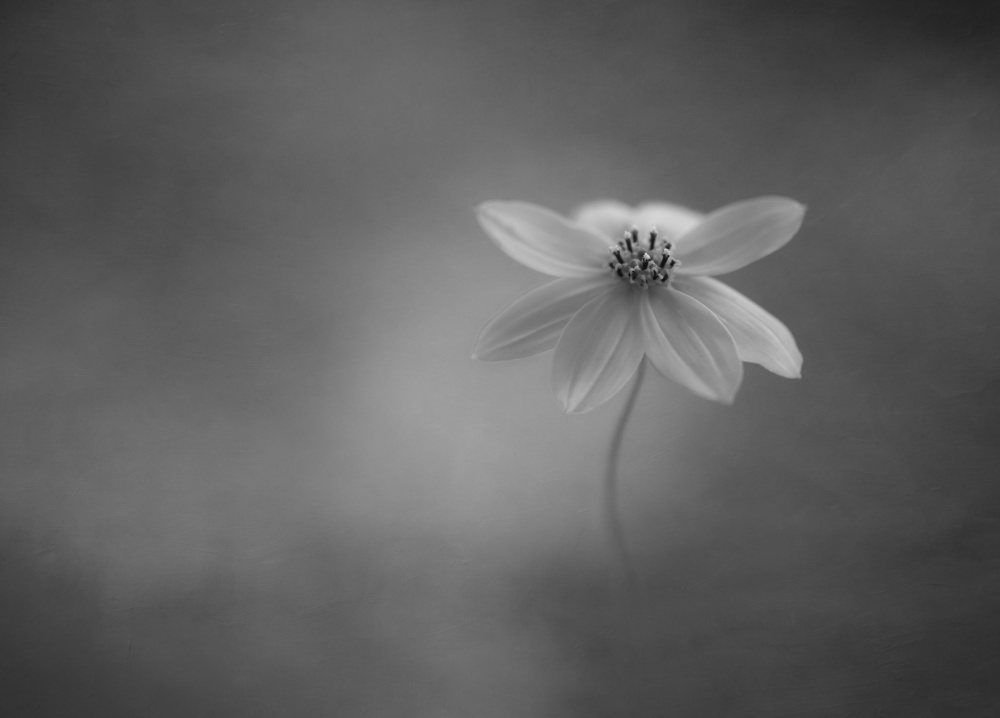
759 336
599 350
670 220
738 234
613 218
609 216
532 323
686 342
542 240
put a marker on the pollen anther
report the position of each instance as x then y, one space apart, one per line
641 266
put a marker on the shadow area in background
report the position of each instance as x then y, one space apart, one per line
212 647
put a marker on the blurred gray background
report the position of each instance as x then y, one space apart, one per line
247 467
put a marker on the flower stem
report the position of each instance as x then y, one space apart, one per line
628 608
616 533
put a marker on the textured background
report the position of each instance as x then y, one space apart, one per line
247 468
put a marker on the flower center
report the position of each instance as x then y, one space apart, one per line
642 263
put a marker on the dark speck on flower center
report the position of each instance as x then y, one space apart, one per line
643 262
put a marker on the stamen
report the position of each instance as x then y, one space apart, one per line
643 263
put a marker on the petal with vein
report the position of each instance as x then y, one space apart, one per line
738 234
670 220
610 217
532 323
686 342
599 350
542 240
760 337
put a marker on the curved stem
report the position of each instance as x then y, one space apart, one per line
612 516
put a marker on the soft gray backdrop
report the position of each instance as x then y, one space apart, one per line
248 469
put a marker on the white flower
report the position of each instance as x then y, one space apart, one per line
649 294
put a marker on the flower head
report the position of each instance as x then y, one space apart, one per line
635 282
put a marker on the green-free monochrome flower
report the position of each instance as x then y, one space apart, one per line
650 293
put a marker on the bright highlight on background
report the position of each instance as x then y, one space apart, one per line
247 467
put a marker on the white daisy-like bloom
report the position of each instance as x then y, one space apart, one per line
634 282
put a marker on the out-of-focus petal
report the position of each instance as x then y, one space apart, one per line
542 240
599 350
760 337
532 323
686 342
738 234
670 220
613 218
609 216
